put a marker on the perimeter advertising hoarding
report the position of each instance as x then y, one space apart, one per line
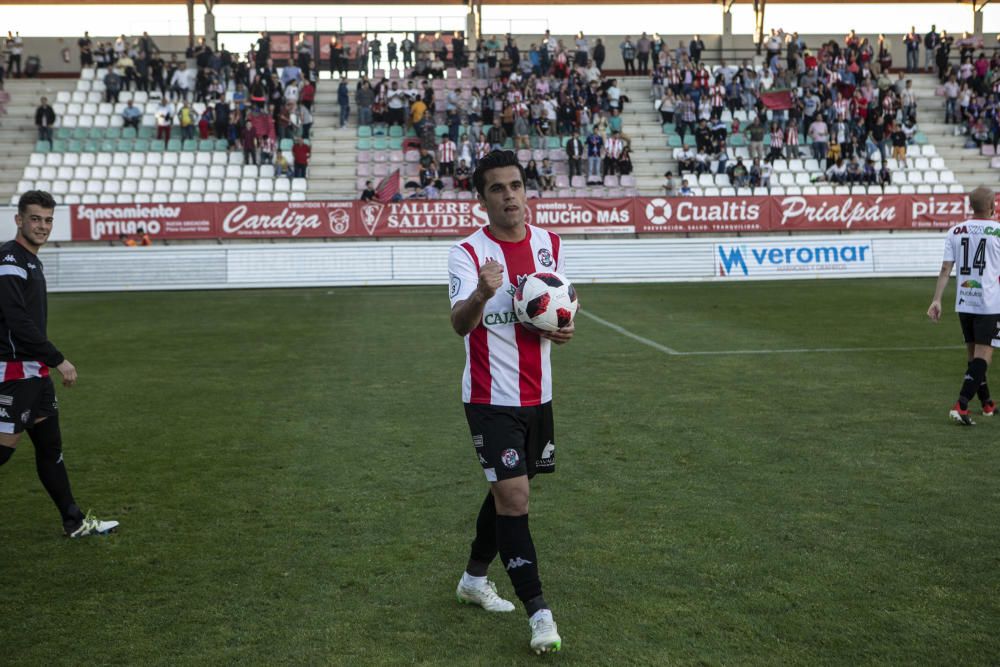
430 218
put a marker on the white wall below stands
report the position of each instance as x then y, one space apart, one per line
425 262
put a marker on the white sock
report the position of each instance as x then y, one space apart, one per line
541 613
472 582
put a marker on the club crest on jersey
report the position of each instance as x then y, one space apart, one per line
509 458
544 257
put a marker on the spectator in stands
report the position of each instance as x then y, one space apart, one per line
15 47
819 132
267 149
164 119
547 175
301 152
643 47
185 118
463 175
669 187
407 47
695 49
837 172
755 135
344 101
531 176
613 148
86 56
685 190
595 151
599 54
112 86
496 138
628 55
418 114
522 131
855 172
951 92
868 174
447 153
45 119
574 153
180 83
912 41
131 115
739 175
685 160
368 194
898 138
250 143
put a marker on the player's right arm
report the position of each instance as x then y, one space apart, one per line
934 311
31 343
471 289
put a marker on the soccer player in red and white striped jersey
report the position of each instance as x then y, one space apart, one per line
506 387
27 395
446 156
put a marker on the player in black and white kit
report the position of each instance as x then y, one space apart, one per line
27 395
973 247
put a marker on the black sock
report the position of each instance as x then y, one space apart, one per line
5 454
517 553
47 439
484 547
974 377
984 393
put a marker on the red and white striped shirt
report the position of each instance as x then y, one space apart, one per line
718 95
777 139
482 149
22 370
613 148
446 151
792 135
505 363
843 107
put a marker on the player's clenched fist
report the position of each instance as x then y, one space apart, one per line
490 278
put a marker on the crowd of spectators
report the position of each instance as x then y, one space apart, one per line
837 103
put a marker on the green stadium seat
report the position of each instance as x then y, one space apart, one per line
674 141
508 145
42 147
668 128
80 133
105 146
63 133
364 144
157 146
920 138
190 145
59 146
221 145
141 145
206 145
441 130
128 133
554 143
380 144
364 131
395 143
395 131
74 146
96 133
124 145
767 139
285 144
410 132
115 133
174 145
147 132
737 140
94 147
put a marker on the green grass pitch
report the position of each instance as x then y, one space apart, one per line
297 485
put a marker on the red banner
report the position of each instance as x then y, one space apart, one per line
440 217
780 99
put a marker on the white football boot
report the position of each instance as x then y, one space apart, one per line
484 595
544 636
91 525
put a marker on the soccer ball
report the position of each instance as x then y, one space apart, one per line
545 301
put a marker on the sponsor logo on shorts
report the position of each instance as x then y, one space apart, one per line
510 459
477 441
25 416
491 474
548 455
4 414
6 400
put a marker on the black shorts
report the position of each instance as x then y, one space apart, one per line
22 402
512 441
980 329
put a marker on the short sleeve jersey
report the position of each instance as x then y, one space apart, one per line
974 247
505 363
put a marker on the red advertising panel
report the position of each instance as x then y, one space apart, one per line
105 222
281 45
441 217
718 215
583 216
840 212
284 220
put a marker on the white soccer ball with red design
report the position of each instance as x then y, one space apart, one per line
545 301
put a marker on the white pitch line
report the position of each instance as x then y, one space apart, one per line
625 332
707 353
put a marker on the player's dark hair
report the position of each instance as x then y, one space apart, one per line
36 197
495 160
